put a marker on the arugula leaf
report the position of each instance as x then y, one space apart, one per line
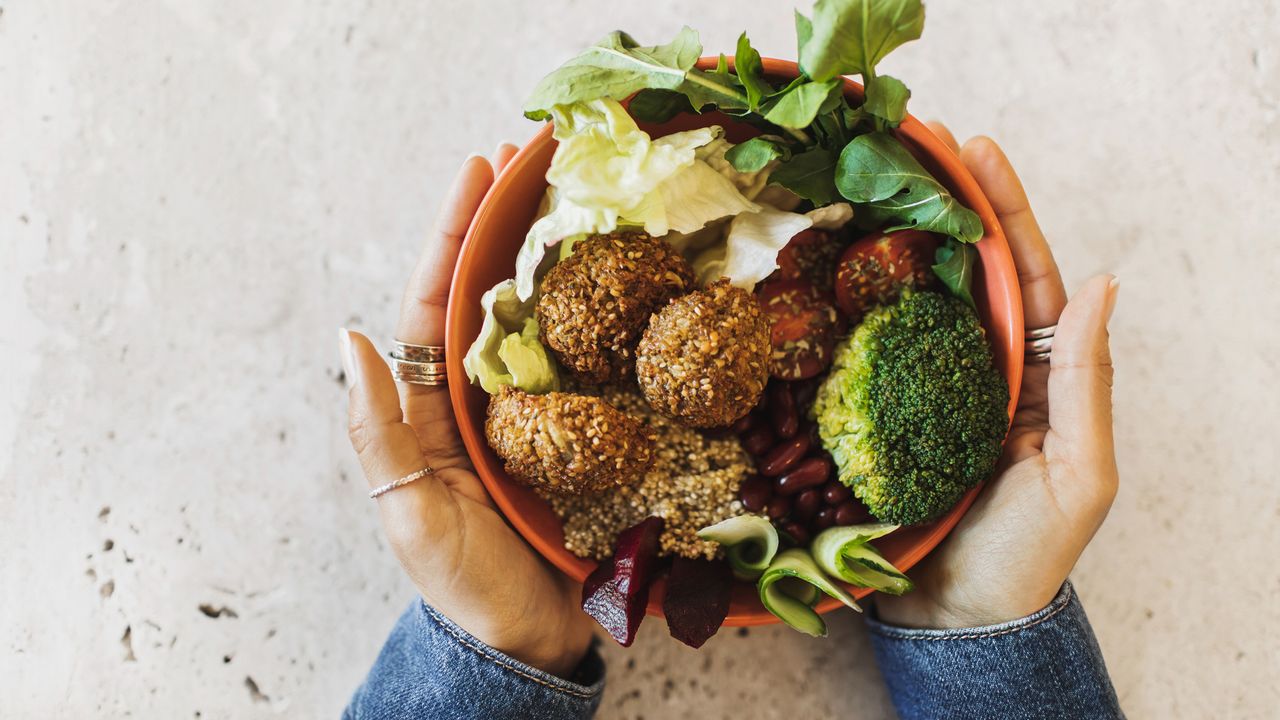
656 105
614 68
954 264
809 175
887 99
801 105
750 71
804 33
852 36
890 187
752 155
718 87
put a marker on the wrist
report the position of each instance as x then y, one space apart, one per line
923 610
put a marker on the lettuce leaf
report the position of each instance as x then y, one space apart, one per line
507 351
749 252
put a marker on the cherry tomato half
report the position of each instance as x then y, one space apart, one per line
809 256
877 267
804 326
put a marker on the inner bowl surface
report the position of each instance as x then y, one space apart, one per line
488 256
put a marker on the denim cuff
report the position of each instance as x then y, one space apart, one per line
430 667
1046 664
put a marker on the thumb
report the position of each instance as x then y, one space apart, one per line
389 450
1080 374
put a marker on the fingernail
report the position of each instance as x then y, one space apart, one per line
348 357
1113 290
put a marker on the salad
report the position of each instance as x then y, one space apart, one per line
740 362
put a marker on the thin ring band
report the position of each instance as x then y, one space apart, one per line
418 353
384 489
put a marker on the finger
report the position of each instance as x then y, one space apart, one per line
387 447
423 307
1080 383
1043 295
944 135
502 155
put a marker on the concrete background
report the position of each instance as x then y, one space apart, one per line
194 195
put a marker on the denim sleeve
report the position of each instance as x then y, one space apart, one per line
431 668
1046 665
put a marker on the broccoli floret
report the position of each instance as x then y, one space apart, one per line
913 411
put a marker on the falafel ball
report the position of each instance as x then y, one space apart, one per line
705 357
595 303
566 442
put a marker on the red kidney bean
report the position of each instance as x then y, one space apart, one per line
758 441
798 532
804 392
778 507
782 411
848 514
744 423
825 518
755 493
835 492
810 472
806 504
782 457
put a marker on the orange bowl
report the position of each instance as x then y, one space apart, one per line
488 257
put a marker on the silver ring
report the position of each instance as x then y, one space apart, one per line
1039 344
384 489
431 374
418 353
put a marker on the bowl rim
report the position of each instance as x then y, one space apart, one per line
993 250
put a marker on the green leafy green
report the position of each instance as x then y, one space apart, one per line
614 68
750 72
853 36
804 33
954 265
810 175
887 99
798 107
891 189
656 105
754 154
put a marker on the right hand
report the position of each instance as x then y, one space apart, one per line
1013 550
452 542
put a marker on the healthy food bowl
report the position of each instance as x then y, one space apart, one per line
497 233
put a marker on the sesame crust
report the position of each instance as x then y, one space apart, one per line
565 442
705 357
693 483
595 304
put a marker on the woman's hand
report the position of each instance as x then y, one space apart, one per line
1010 555
458 551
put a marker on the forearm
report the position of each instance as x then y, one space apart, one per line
431 668
1047 664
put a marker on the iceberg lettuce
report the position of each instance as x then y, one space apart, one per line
508 351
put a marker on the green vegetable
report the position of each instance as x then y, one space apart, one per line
887 99
913 411
797 563
749 252
750 541
954 263
507 351
891 188
798 107
658 106
614 68
852 36
746 62
846 553
754 154
809 175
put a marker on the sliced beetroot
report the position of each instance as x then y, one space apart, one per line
617 591
697 599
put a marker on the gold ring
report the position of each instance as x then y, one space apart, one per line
418 353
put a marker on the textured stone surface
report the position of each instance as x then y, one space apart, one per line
193 195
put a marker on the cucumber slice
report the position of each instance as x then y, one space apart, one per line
846 553
750 541
797 563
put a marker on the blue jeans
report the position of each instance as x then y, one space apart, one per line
1046 665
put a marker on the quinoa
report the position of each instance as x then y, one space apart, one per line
705 357
566 442
595 304
692 483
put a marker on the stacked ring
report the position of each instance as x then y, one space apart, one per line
1039 343
419 364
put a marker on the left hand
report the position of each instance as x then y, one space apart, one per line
456 548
